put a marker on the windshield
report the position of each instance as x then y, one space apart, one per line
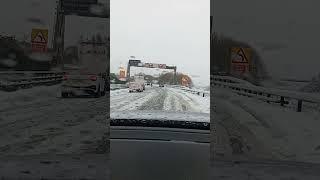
265 80
160 61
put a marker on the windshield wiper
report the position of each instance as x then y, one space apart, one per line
161 123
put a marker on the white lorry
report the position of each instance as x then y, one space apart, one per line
89 75
138 84
135 86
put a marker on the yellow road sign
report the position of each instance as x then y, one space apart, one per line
240 55
39 36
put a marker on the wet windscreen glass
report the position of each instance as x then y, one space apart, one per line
266 84
160 60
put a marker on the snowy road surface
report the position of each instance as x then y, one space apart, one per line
248 128
51 166
37 120
158 99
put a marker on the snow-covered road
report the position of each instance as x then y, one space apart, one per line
161 99
37 120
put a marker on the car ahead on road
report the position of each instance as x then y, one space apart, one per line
159 142
136 87
161 85
77 83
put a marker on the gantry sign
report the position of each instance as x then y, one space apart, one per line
138 63
86 8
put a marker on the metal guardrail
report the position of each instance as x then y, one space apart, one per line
229 79
13 80
271 95
194 91
117 86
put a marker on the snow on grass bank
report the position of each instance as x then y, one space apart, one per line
197 103
291 135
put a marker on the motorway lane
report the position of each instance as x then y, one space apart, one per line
156 98
36 120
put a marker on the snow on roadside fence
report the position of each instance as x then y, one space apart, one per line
117 86
269 95
13 80
199 92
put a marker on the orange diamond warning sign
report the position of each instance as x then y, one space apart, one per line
39 40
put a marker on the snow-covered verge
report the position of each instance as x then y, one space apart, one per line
202 88
285 133
284 85
200 104
313 86
36 120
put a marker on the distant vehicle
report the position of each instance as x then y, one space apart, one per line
161 85
135 87
89 75
140 80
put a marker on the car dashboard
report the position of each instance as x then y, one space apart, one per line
146 149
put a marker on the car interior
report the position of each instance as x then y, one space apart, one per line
145 152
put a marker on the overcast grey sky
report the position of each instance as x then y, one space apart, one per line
290 28
173 32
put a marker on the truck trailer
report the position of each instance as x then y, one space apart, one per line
137 85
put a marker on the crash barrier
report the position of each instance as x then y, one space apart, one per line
14 80
194 91
229 79
117 86
224 79
282 97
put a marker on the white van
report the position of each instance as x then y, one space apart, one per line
135 86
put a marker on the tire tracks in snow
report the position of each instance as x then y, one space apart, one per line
171 103
156 102
124 99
